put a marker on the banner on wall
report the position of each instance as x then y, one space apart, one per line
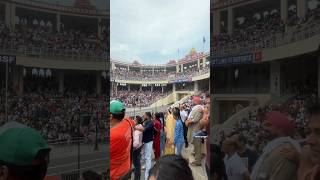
181 80
7 59
233 60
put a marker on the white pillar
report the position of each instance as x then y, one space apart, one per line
174 87
162 89
128 87
177 68
196 86
230 20
199 64
152 70
140 87
275 79
204 62
284 10
61 81
301 8
181 67
58 22
152 87
98 83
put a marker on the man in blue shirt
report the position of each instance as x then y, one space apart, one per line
147 139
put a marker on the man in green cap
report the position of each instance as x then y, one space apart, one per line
24 154
121 130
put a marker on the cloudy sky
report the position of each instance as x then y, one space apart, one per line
152 31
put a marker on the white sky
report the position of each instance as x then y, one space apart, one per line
152 31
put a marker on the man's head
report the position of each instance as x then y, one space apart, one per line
196 100
313 139
147 116
24 154
277 125
157 115
229 146
117 111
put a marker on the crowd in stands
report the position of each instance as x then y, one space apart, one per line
266 28
40 36
135 75
57 116
254 136
137 98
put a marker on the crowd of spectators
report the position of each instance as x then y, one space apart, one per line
265 27
251 126
57 117
123 74
138 98
41 37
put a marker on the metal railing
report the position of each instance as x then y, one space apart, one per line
293 34
41 52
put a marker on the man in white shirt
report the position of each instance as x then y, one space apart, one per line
184 117
235 168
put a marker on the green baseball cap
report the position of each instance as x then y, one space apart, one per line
116 107
20 145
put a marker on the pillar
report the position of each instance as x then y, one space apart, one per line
196 86
58 22
301 8
98 83
173 87
162 89
216 22
199 64
140 87
113 66
61 81
204 62
128 87
152 87
177 68
230 20
275 79
116 88
21 82
319 76
181 67
284 10
128 68
8 14
99 27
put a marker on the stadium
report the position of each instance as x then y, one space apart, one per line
53 77
157 88
265 56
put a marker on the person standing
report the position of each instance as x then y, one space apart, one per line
235 168
162 134
178 132
121 130
137 146
156 139
193 122
169 129
184 117
147 139
272 164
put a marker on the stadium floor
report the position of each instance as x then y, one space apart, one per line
64 159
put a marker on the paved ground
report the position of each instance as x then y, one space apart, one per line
64 159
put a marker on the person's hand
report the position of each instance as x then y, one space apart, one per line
188 122
290 153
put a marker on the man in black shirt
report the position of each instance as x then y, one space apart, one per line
148 134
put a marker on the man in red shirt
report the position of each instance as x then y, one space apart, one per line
120 141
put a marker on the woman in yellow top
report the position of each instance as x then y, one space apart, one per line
169 129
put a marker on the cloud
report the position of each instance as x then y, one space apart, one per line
153 30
